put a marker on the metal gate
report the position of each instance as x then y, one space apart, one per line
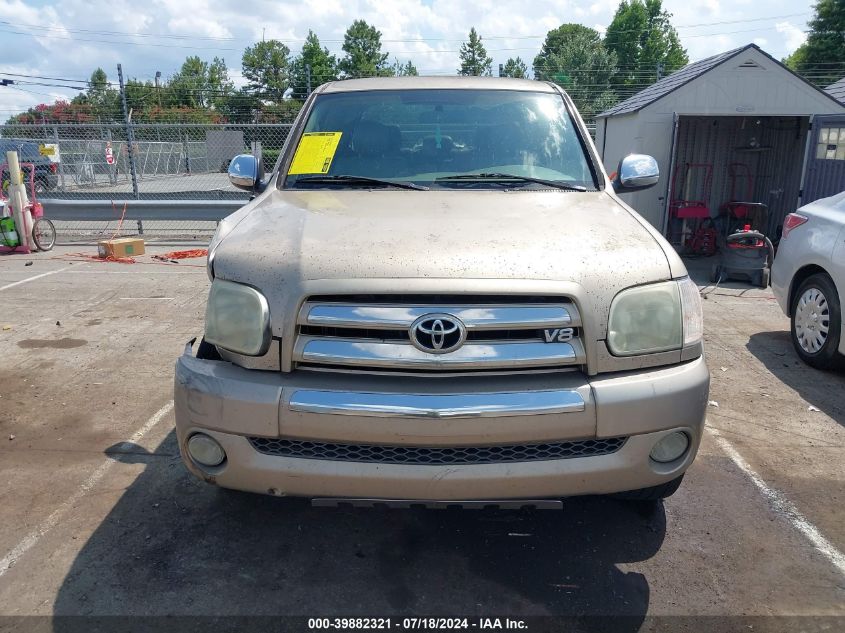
825 173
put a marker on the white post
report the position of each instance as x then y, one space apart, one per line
17 196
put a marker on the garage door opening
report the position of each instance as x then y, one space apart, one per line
720 162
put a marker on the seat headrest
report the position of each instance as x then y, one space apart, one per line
371 138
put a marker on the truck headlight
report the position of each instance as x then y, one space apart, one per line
655 318
237 318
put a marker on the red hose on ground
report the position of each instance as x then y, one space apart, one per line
197 252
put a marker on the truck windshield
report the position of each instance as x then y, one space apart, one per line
427 137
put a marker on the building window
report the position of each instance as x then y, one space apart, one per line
831 144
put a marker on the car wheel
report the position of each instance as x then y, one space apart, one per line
715 273
40 186
817 322
653 493
765 277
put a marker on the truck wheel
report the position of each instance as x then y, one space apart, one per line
817 322
654 493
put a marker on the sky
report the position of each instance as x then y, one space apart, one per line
68 39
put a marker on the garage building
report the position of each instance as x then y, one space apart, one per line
735 127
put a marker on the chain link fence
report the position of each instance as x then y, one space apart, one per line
173 161
162 161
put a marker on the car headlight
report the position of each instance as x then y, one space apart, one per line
655 318
237 318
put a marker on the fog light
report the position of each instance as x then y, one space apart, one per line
670 447
205 450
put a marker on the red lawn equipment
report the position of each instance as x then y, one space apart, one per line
689 205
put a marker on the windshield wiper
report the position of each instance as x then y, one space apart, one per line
358 181
502 177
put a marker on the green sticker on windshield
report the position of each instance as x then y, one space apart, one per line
315 153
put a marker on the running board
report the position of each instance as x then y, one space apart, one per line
506 504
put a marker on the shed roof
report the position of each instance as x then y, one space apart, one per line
837 90
688 73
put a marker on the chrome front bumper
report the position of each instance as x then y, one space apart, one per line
232 404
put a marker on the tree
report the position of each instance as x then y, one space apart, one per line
515 68
474 59
822 57
266 67
103 99
323 67
362 45
555 39
220 85
642 36
405 70
188 87
577 60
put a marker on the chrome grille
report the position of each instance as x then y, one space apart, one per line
372 333
399 454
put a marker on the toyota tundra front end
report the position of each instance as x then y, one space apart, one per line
437 297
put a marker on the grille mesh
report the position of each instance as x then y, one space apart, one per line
383 454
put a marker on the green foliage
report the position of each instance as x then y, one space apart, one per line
282 112
515 68
323 67
642 36
822 57
405 70
473 55
555 39
362 45
576 60
266 67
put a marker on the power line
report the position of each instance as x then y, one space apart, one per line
177 36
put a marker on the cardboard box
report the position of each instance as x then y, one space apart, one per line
121 247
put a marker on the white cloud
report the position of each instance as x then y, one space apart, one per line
794 35
428 32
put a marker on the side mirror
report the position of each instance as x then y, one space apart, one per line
636 171
246 172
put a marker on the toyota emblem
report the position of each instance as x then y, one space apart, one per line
438 333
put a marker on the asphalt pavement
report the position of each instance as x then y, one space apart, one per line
100 517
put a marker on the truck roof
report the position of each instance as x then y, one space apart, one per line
435 83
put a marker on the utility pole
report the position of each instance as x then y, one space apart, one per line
130 136
308 78
158 86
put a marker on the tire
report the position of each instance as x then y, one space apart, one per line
654 493
765 277
44 234
816 323
40 185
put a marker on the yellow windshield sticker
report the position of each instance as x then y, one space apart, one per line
315 153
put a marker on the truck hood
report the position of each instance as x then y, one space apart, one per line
547 235
293 243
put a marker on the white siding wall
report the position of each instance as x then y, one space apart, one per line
767 90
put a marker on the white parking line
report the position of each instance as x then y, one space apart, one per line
9 560
28 279
782 506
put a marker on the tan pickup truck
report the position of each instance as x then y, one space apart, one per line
437 298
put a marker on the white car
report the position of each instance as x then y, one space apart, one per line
808 279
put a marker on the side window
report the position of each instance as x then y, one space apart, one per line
831 145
